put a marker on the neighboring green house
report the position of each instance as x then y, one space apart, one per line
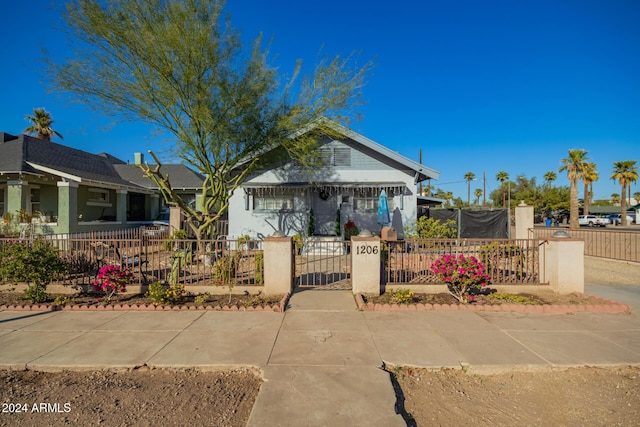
65 190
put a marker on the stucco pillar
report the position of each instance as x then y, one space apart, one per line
524 220
563 264
121 206
365 265
67 206
175 219
17 196
278 265
154 206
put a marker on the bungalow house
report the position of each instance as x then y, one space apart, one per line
355 171
66 190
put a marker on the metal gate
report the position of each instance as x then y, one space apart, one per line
323 262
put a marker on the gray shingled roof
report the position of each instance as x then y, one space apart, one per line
180 176
26 154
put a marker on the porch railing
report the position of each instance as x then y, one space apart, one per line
508 261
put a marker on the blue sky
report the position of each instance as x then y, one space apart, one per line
478 86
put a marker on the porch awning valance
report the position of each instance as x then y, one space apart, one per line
350 187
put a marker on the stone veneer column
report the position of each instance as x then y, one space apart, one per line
278 265
365 265
563 264
67 207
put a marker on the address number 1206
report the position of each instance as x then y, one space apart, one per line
366 249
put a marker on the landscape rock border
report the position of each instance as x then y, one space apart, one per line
280 307
603 306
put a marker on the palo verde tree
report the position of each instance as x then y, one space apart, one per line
180 65
574 165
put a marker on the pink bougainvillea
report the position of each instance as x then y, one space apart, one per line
461 275
112 279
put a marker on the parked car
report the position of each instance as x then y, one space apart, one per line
616 219
592 221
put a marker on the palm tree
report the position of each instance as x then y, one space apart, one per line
550 177
478 194
625 172
502 176
469 176
615 198
41 122
574 165
448 196
589 174
636 196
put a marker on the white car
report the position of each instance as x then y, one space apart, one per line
592 221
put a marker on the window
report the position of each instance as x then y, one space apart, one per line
35 200
274 202
98 197
338 156
368 200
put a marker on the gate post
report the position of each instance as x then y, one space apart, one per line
524 220
365 265
278 265
564 264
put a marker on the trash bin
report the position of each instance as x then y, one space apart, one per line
547 222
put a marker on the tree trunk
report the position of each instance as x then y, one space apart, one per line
585 210
574 211
623 206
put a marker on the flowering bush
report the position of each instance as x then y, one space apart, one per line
112 279
462 275
350 229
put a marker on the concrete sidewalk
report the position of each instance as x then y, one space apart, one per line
321 359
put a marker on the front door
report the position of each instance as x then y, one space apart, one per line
325 208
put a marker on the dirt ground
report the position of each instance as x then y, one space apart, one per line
143 397
574 397
577 396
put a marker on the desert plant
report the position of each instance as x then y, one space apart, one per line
36 263
201 298
160 294
169 243
462 275
63 300
111 280
401 296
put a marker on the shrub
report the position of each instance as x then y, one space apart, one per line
259 268
350 230
201 298
401 296
111 280
430 228
36 264
161 294
462 275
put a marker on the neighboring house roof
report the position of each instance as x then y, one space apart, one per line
25 154
180 176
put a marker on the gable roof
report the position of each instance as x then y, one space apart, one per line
422 172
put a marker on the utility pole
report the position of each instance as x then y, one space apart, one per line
420 187
484 189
